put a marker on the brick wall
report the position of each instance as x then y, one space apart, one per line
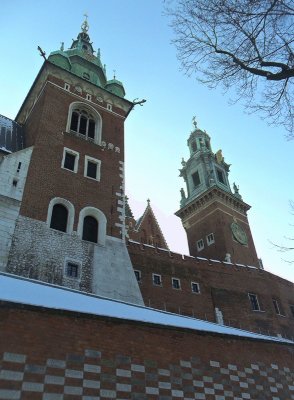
223 286
46 179
54 355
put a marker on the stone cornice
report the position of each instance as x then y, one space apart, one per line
213 194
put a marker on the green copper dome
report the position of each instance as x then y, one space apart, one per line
116 87
80 60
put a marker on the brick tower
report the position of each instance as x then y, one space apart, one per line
70 227
214 217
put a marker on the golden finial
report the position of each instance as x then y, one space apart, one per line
85 25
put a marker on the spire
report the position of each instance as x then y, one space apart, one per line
204 168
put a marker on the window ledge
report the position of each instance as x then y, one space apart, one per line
82 137
258 311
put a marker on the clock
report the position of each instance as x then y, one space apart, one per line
239 234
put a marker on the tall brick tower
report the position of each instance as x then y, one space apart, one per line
70 227
214 217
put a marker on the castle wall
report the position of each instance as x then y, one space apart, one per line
13 172
55 355
41 253
222 285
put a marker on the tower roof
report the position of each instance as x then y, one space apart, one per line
80 59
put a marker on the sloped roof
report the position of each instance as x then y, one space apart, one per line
29 292
143 217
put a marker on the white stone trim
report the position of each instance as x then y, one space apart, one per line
76 154
95 161
98 118
102 221
70 209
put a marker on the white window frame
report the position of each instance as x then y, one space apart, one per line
70 209
67 87
277 307
200 247
176 280
139 278
156 284
77 156
109 106
198 287
102 223
208 240
94 161
72 261
88 97
97 117
256 298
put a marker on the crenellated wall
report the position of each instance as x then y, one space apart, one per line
223 286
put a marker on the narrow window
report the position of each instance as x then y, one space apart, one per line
72 270
69 161
210 239
156 279
90 229
254 302
59 218
277 307
200 245
92 170
138 275
292 310
18 167
88 97
91 129
196 178
109 106
176 284
220 176
67 87
195 287
83 125
194 146
74 121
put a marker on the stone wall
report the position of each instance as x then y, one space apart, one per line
54 355
13 172
41 253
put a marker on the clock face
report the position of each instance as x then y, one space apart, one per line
239 233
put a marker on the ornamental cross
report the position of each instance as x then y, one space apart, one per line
194 122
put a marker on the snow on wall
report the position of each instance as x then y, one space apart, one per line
24 291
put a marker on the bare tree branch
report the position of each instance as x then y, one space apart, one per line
245 44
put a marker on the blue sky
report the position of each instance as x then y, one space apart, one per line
135 40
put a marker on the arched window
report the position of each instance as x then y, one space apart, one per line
61 215
92 225
59 218
84 121
90 229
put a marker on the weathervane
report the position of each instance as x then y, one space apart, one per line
114 71
194 122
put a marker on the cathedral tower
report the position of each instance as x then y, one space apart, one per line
70 229
214 217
